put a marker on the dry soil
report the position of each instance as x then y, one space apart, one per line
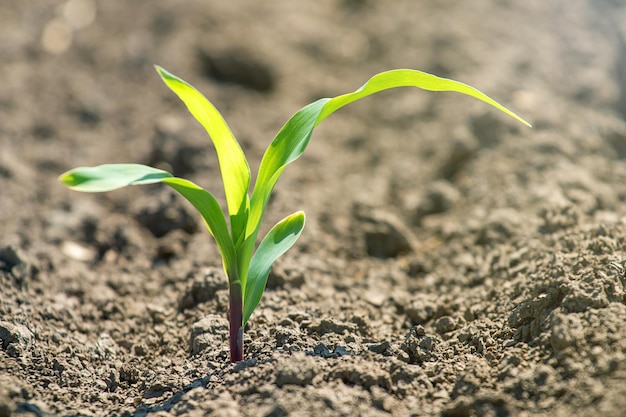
454 263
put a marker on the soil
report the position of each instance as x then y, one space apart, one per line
454 263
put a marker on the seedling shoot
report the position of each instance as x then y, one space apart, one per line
246 264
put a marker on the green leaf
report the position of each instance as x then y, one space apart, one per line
113 176
233 164
277 241
211 213
294 136
410 78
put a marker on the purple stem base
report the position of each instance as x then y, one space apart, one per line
235 318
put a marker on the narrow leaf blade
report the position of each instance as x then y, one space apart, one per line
411 78
287 146
211 212
110 177
277 241
233 164
292 139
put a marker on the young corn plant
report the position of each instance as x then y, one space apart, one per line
247 265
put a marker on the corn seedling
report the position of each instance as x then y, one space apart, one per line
247 265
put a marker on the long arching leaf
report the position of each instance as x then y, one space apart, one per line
233 164
294 136
277 241
110 177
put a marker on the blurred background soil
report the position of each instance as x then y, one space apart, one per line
455 263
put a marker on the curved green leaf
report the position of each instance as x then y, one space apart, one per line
277 241
211 213
294 136
233 164
411 78
110 177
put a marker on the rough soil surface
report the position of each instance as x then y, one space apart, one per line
455 263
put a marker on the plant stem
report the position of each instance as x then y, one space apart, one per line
235 319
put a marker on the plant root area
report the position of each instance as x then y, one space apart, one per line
454 262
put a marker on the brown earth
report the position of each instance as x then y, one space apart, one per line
454 263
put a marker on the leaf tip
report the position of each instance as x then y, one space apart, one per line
164 74
524 121
67 178
300 218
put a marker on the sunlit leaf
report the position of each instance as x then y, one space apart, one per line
293 138
277 241
110 177
233 164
